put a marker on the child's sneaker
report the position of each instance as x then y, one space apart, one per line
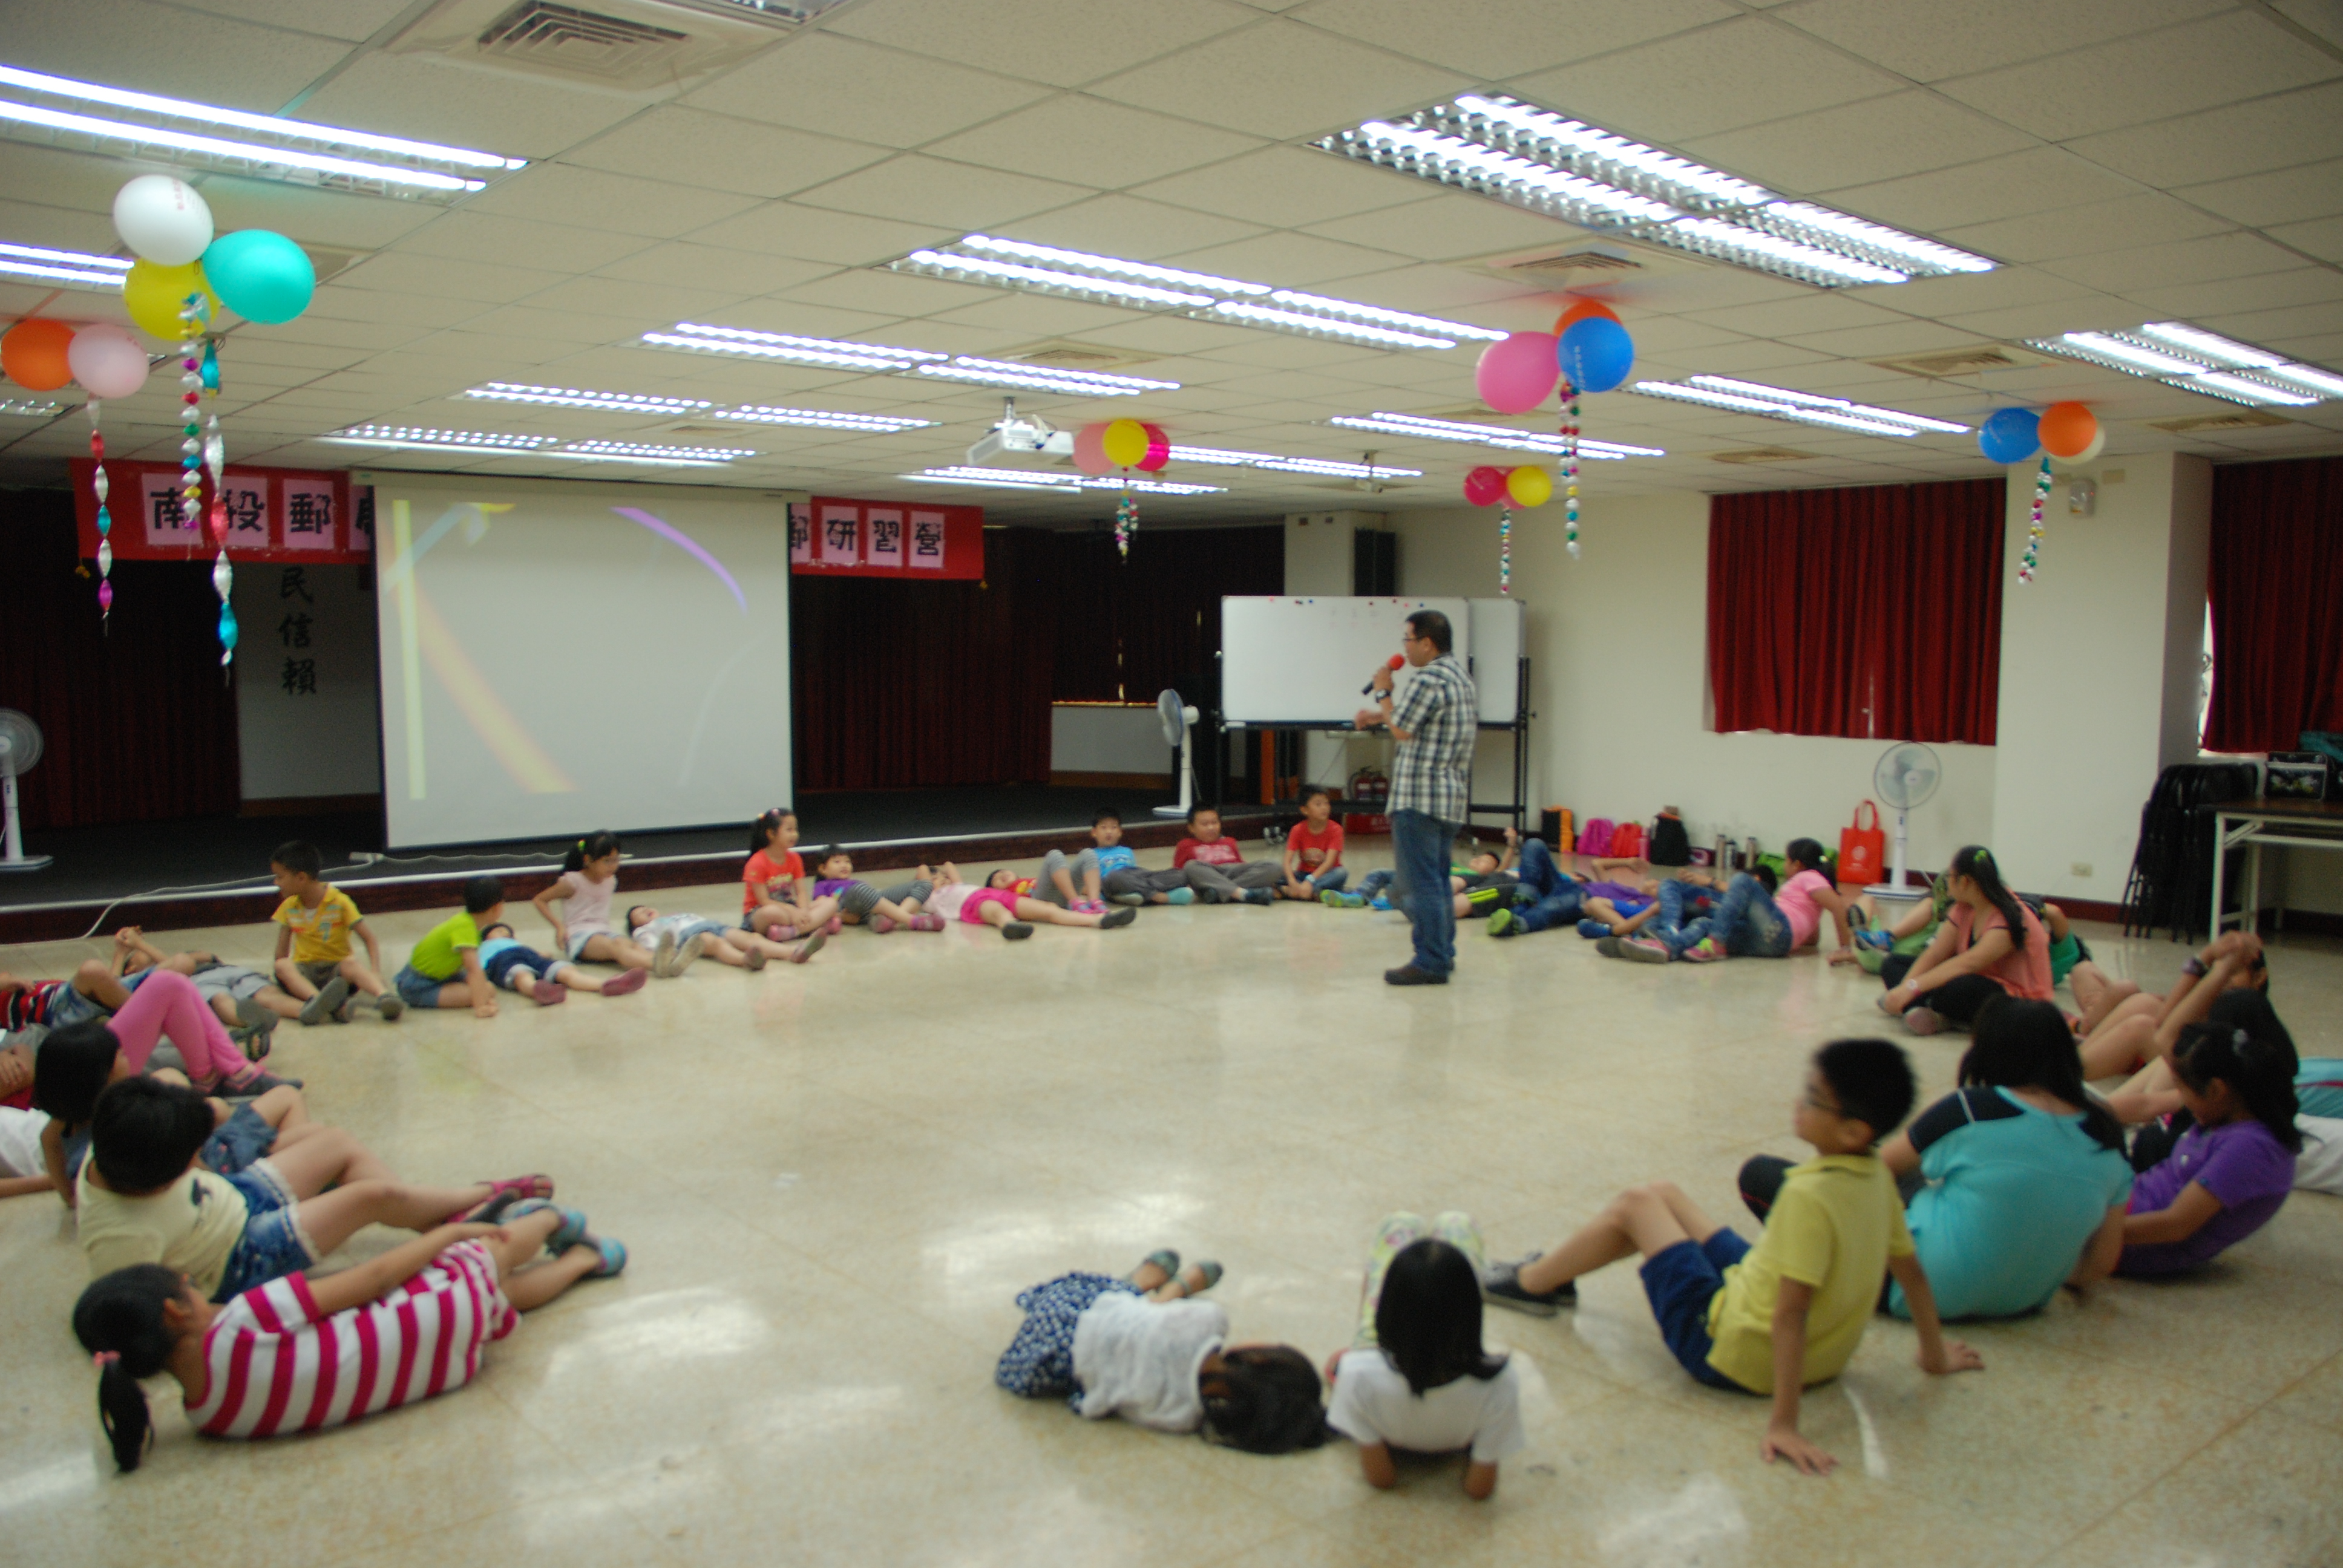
549 991
1924 1021
1502 923
1380 901
1089 907
391 1005
754 959
837 924
1643 951
1264 897
687 955
1594 931
1180 896
1016 932
259 1025
1707 950
625 982
1119 917
807 948
1130 900
663 955
927 923
1501 1285
349 1008
879 925
317 1008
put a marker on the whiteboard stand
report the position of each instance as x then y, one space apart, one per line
1517 808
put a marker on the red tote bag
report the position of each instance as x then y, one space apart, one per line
1862 850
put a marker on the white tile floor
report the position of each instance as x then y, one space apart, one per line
835 1177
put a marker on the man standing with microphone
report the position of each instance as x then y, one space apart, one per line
1434 729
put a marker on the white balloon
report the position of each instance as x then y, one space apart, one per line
2087 455
106 361
163 219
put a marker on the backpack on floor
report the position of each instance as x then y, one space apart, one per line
1627 841
1671 845
1553 826
1594 838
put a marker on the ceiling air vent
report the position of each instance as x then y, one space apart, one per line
1588 262
632 45
2235 420
1064 356
1763 454
1976 361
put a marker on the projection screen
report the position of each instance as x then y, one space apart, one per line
562 656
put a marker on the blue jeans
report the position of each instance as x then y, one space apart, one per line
1420 845
1669 925
1748 924
1372 883
1332 880
1558 895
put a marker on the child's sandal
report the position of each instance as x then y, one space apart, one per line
1163 1258
1212 1272
614 1257
566 1235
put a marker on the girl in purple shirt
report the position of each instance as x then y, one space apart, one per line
2229 1173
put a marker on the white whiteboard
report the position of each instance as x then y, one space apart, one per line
1303 661
1496 654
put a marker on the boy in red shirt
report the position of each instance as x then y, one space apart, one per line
1218 869
1314 850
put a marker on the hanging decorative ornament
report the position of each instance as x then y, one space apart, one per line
191 311
1126 521
1504 549
2034 530
99 485
211 366
1570 470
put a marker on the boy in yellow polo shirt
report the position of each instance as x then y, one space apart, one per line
314 961
1789 1312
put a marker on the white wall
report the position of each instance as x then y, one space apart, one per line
1618 641
1107 738
295 743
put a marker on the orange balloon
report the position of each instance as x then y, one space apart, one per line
33 353
2066 428
1579 311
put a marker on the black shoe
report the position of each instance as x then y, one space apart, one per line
1114 918
1501 1283
1016 930
1411 975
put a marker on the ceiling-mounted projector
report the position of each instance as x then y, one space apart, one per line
1016 438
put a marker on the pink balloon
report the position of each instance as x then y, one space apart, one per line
1518 373
1090 449
1159 449
1484 487
106 361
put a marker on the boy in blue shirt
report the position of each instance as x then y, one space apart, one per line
1121 875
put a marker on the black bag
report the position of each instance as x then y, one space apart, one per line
1669 845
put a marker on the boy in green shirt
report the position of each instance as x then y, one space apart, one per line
444 970
1789 1312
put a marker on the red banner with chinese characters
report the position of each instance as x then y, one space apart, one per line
290 515
833 536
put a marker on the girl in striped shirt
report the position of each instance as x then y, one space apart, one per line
297 1355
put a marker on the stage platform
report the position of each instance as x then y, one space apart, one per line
214 870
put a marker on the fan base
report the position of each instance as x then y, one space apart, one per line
29 863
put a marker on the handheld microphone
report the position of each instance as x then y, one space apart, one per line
1396 660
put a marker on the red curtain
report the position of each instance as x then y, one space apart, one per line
137 724
1128 628
2277 616
1873 612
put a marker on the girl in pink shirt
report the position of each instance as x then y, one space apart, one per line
1990 945
1000 904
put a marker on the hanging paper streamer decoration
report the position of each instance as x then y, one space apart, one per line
99 485
2034 530
1504 549
1570 470
1126 522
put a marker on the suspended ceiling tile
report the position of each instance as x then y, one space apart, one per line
2191 301
2270 328
1035 315
356 335
436 274
891 294
353 21
439 101
2199 65
1275 350
817 234
2282 196
469 235
1928 41
555 325
1876 139
915 188
738 272
30 222
1280 79
2144 218
1495 40
1817 311
311 216
556 193
648 306
338 303
820 82
1452 227
1126 226
2087 311
1093 142
777 313
1063 42
1741 357
250 350
2036 180
1288 260
722 152
2226 143
2238 253
1879 342
1166 335
1939 297
81 182
158 48
1444 289
1737 73
2322 238
503 354
1284 186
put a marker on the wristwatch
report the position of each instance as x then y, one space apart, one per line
2195 967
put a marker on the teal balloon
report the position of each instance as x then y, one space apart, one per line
2010 434
259 275
1595 354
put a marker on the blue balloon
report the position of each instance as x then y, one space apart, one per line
260 275
1595 354
2009 435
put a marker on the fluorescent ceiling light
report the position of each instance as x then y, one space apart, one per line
1499 436
640 452
2195 360
572 398
1044 379
272 147
1212 454
1773 406
879 423
1140 285
1758 389
484 444
1547 162
700 339
1069 484
31 407
73 269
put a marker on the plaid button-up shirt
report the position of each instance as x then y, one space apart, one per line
1441 711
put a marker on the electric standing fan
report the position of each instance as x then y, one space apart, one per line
1904 778
1178 721
20 748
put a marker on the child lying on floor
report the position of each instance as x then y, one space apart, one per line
859 901
1480 879
543 979
678 941
998 904
297 1355
1141 1349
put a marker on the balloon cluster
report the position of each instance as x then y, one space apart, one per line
1588 351
1505 489
2064 432
1101 448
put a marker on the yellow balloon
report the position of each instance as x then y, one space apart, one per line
155 294
1124 443
1530 485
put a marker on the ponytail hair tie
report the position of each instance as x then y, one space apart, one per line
104 1359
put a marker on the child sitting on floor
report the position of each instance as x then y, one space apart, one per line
317 921
582 931
1416 1379
1990 945
297 1355
1738 1317
998 904
1220 874
776 897
1141 1349
540 977
1124 880
1753 920
444 969
859 901
2228 1174
1313 850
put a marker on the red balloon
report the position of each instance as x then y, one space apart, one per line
1159 449
1485 485
2066 428
34 353
1517 374
1580 310
1090 449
